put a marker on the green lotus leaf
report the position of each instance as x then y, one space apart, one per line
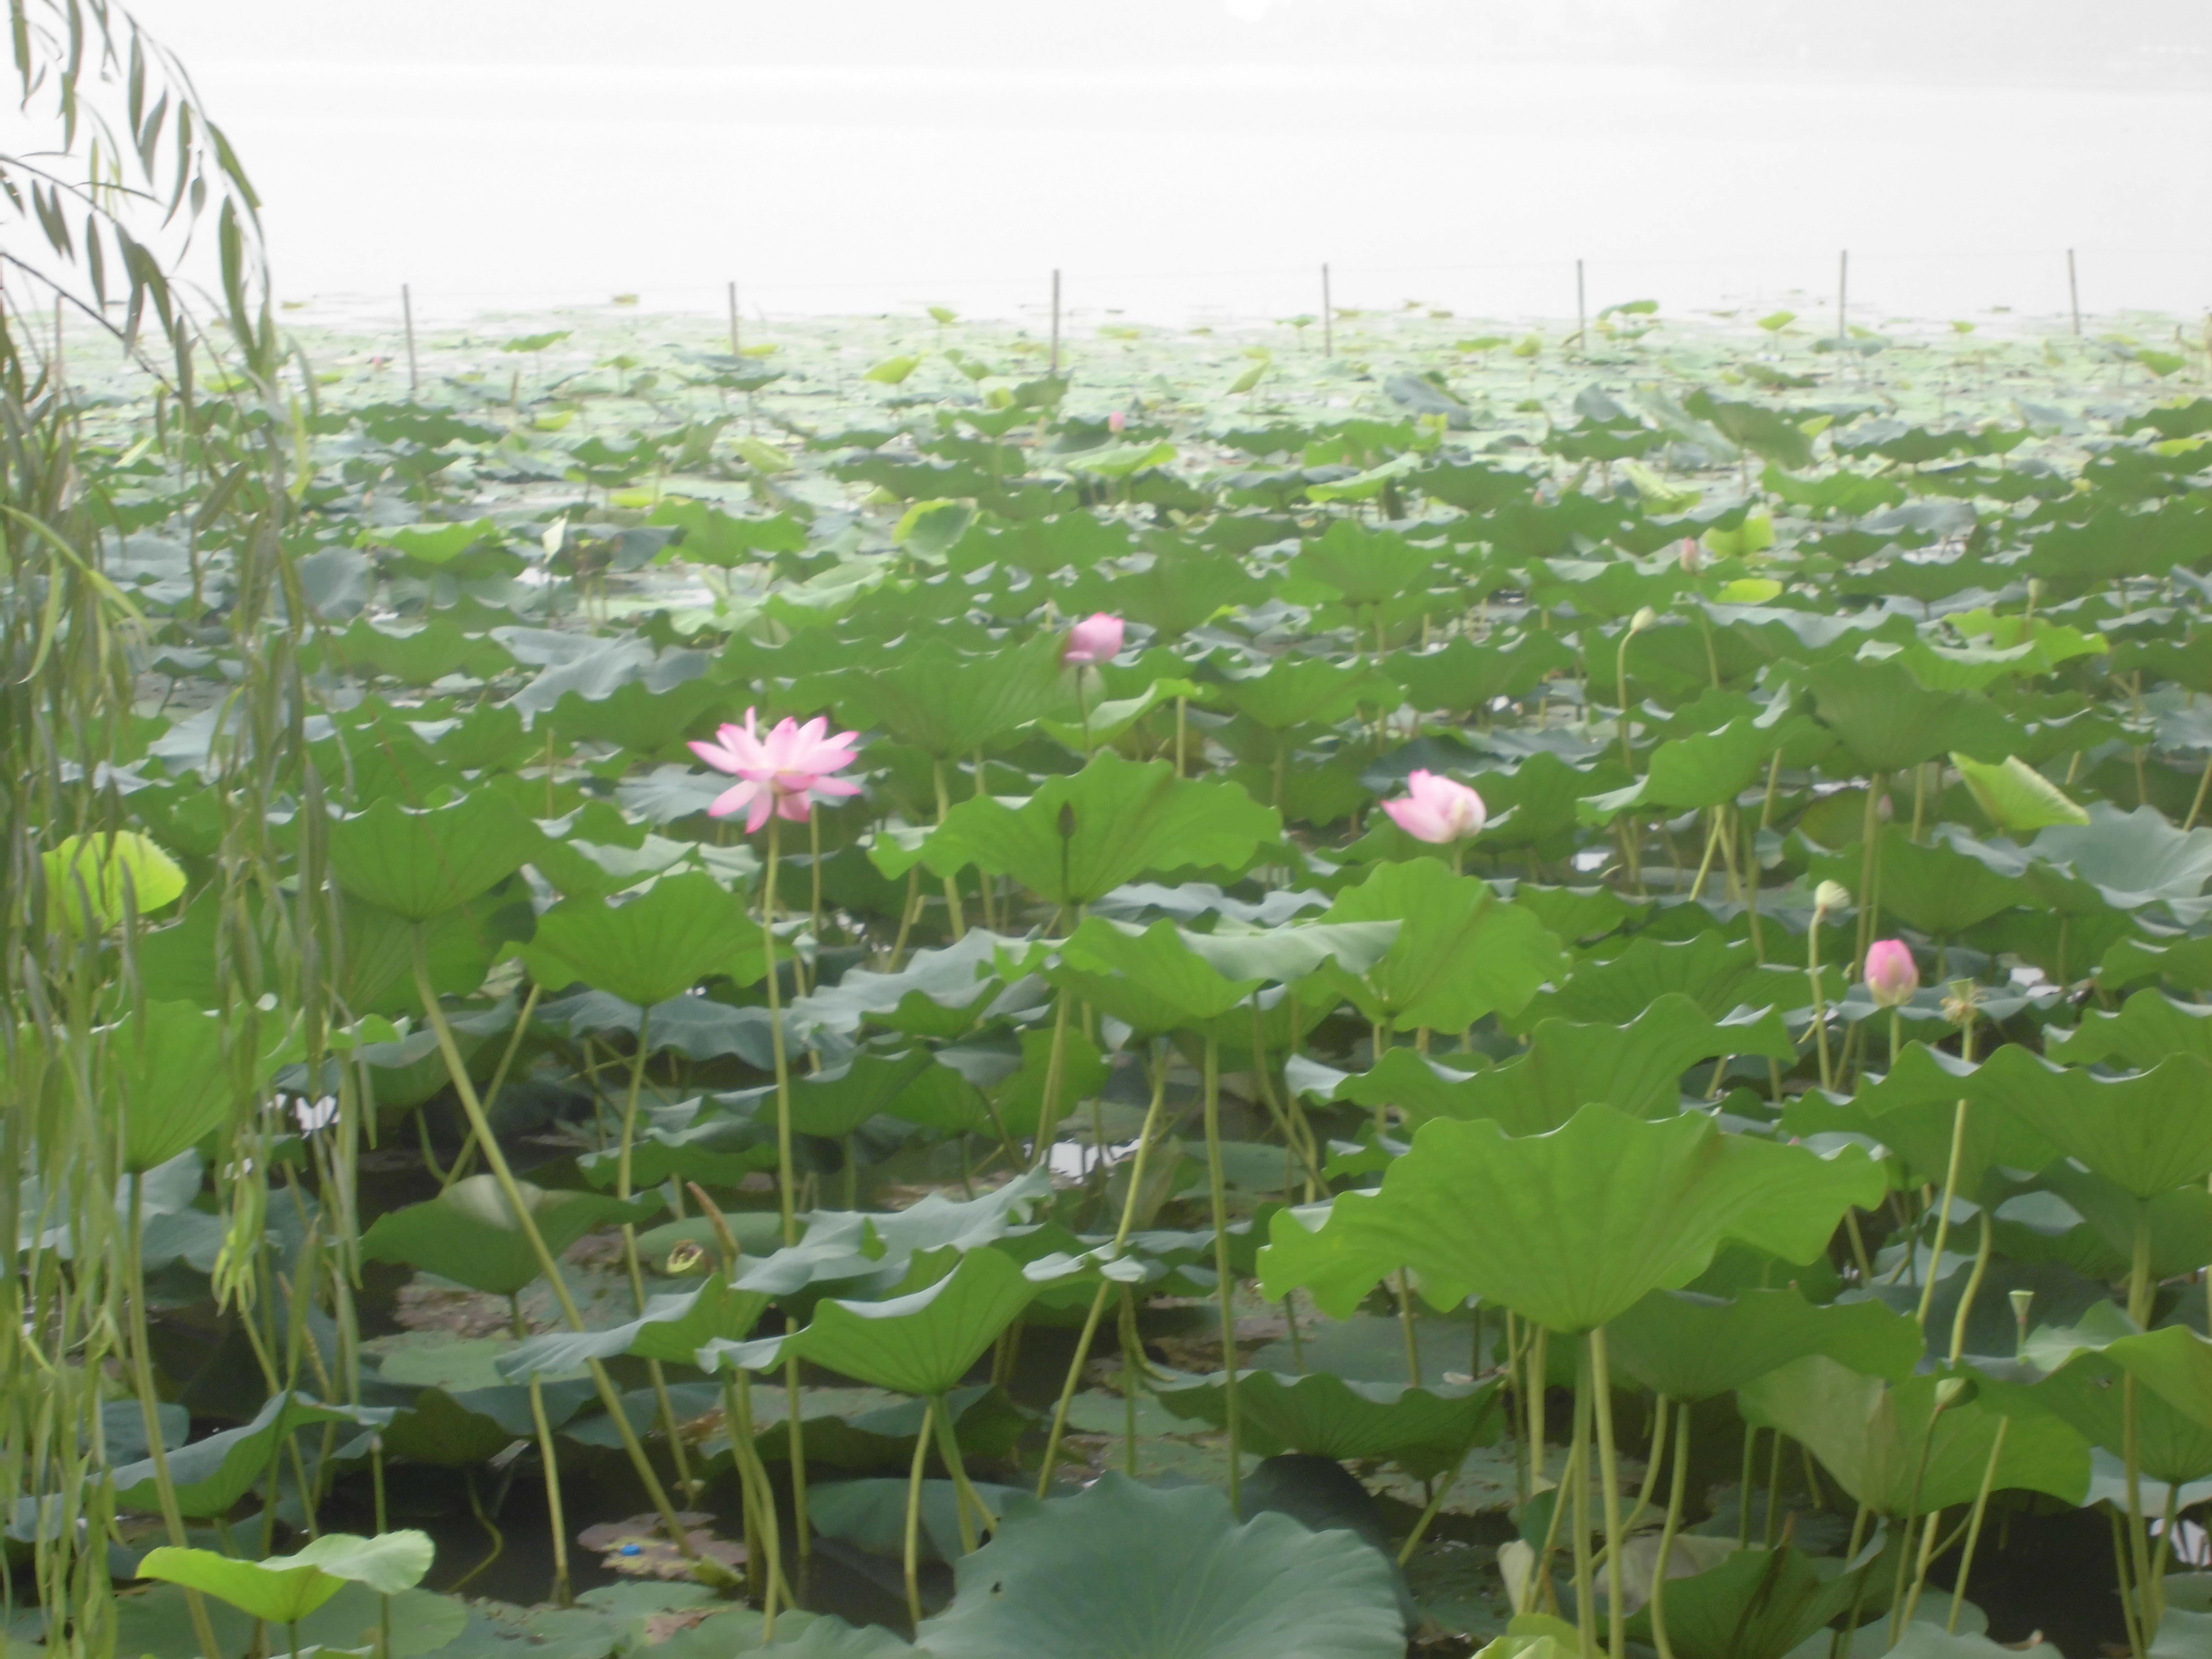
285 1589
1298 690
212 1473
1328 1416
1366 566
1461 953
948 703
169 1077
674 1327
89 877
470 1234
1463 676
1149 980
1688 1346
1080 836
1893 1449
1635 1068
920 1343
1889 721
1570 1229
650 948
2149 1131
2149 1026
1760 1603
1120 1569
2173 1443
422 864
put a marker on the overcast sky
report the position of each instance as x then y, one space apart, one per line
1181 156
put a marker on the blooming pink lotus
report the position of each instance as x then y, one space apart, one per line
780 773
1095 639
1117 421
1435 809
1891 976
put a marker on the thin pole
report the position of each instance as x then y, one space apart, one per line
1842 292
407 310
1328 318
1055 325
1582 319
733 319
2073 291
57 338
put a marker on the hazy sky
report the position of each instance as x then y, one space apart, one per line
1181 156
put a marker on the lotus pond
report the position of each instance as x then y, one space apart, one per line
1498 991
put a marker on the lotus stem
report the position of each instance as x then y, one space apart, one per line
1973 1288
1436 1503
1578 1496
957 917
624 1189
913 1513
1056 1079
1609 1468
1974 1526
967 1497
1676 1490
1404 1288
1129 1202
1944 1216
555 1515
1820 1000
503 1173
1218 1188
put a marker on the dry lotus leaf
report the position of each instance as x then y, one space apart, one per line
640 1548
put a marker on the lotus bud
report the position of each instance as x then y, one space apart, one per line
1097 638
1690 554
1947 1392
1437 809
1830 896
1891 976
1642 620
2021 1302
1117 421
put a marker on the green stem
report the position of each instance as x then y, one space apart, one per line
1973 1288
913 1515
1218 1188
1129 1202
1944 1216
503 1173
1974 1526
956 916
1608 1470
1820 1000
1056 1079
1578 1495
967 1498
1675 1492
555 1515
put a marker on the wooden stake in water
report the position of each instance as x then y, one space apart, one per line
407 312
1055 325
1328 319
2073 291
1843 294
733 319
1582 320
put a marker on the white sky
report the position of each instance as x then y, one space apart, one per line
1178 155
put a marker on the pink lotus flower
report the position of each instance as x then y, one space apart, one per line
1095 638
1437 809
780 773
1117 421
1891 976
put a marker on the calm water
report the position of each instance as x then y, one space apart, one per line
1179 195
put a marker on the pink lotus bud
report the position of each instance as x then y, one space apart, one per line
1690 554
1437 809
1097 638
1891 976
1117 421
